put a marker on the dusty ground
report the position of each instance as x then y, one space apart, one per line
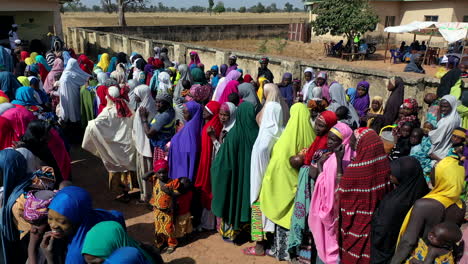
207 248
312 51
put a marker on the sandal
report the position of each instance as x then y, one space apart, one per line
250 251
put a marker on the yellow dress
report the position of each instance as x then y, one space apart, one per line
421 251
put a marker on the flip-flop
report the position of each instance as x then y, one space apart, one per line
250 251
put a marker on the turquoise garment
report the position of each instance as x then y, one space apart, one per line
40 59
112 65
25 96
420 152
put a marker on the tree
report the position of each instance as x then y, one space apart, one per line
96 8
242 9
288 7
344 17
108 6
259 8
219 8
74 6
210 5
196 9
271 8
123 5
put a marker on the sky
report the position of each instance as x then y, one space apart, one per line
227 3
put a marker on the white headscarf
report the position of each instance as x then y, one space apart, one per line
270 130
440 137
102 78
305 88
338 98
232 116
142 143
185 75
72 79
164 82
131 94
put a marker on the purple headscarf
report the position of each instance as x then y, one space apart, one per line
361 104
287 75
185 145
325 87
223 70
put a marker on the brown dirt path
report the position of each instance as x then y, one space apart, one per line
207 248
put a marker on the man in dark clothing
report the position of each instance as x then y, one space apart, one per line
264 71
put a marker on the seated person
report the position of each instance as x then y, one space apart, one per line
415 64
403 145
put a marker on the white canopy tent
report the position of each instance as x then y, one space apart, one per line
450 31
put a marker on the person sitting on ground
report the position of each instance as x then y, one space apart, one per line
433 109
402 147
415 64
376 108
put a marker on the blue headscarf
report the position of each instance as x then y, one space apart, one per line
112 65
9 84
127 255
15 181
351 92
25 96
76 205
42 94
66 56
6 59
40 59
215 79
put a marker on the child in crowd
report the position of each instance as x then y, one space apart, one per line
403 145
458 141
439 246
165 191
234 98
342 113
433 108
421 144
297 89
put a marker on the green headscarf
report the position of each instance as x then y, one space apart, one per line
106 237
230 171
198 76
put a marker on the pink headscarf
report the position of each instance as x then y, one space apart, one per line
322 206
19 118
233 75
231 87
325 87
50 79
57 147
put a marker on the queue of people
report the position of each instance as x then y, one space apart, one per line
303 169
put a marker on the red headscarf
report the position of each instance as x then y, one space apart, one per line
58 150
120 104
72 53
320 142
24 55
19 118
160 164
86 64
203 177
101 93
7 132
43 72
247 78
158 64
150 60
365 182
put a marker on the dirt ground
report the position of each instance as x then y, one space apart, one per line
207 248
310 51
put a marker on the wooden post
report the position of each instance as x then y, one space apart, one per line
386 49
414 37
428 45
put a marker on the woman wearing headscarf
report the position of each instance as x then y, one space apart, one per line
232 76
101 91
119 75
15 181
9 84
198 76
200 93
216 76
73 205
231 87
161 128
50 80
3 98
320 82
165 59
408 114
440 137
375 109
109 137
25 97
322 213
230 173
139 70
7 132
392 107
73 77
269 133
19 118
203 178
194 60
351 94
280 180
127 255
106 237
363 185
142 143
441 204
112 65
165 85
66 56
41 60
185 145
362 101
86 64
104 62
24 81
272 94
408 177
309 77
247 93
337 99
415 64
185 75
227 115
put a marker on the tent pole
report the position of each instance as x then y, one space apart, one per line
427 48
386 49
414 37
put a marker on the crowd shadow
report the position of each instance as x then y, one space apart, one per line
184 260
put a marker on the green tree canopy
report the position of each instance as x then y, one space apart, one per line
344 17
288 7
210 5
219 8
242 9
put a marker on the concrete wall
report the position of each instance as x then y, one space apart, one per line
202 32
83 40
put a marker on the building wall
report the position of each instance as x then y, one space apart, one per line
32 25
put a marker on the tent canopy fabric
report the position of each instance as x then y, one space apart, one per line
450 31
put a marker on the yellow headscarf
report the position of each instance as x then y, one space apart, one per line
24 80
104 62
378 112
279 184
33 56
29 61
261 83
449 182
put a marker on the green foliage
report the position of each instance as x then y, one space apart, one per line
210 5
197 9
344 17
259 8
262 47
288 7
242 9
280 44
219 8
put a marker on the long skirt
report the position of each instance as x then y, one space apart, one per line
164 228
122 182
144 165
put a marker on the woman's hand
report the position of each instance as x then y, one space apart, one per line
47 247
211 132
339 152
143 114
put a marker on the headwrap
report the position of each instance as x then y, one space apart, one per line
325 87
85 64
223 70
201 93
264 60
164 97
195 61
158 64
287 75
378 112
104 62
24 55
160 164
43 179
233 57
29 61
412 104
36 209
248 78
24 80
40 59
33 56
25 97
320 142
361 103
50 80
113 93
33 68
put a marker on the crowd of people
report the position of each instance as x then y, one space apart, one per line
310 171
